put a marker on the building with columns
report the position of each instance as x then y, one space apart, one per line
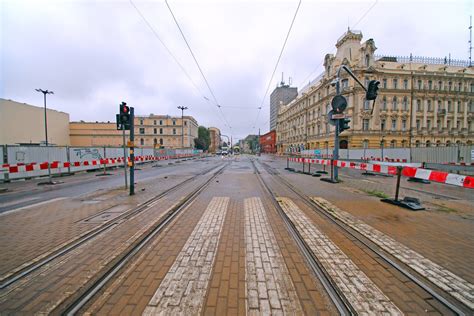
422 101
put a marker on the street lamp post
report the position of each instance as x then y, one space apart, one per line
45 92
182 108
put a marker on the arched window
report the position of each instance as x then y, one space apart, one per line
142 141
161 141
393 143
394 106
417 143
428 143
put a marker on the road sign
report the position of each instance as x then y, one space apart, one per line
338 116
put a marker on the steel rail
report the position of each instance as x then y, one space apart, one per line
363 240
85 297
25 271
338 299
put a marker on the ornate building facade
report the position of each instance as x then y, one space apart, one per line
421 102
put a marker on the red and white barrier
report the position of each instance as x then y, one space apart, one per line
407 171
30 169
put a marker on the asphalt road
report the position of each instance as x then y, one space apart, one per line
23 194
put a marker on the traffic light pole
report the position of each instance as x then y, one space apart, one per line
132 153
124 158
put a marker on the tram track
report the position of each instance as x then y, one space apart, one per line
85 295
454 306
16 274
339 301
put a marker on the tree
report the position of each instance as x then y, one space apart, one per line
204 138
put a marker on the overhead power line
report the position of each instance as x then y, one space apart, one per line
197 63
278 61
166 47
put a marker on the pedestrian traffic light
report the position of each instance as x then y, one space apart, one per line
372 90
344 124
339 104
125 115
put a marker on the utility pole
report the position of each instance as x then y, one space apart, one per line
132 151
182 108
45 92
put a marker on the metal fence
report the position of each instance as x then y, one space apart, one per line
439 155
72 159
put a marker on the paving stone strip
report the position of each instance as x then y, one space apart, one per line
445 279
364 296
184 287
269 287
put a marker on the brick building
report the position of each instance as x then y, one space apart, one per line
268 142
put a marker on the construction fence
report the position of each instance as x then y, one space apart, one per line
33 161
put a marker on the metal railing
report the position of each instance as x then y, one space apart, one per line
424 60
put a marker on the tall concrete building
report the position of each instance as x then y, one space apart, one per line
422 101
282 95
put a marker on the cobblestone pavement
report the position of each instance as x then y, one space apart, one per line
361 292
445 279
183 289
30 234
443 235
228 252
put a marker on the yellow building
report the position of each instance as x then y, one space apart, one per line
150 131
215 135
421 102
21 123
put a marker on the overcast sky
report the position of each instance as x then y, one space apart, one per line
95 54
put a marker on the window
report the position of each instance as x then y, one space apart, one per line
417 143
142 141
429 105
458 124
161 122
161 141
394 125
367 60
450 85
460 107
438 123
366 104
430 84
405 84
154 123
345 84
155 141
418 105
404 125
154 131
142 130
440 85
384 103
448 124
161 131
365 125
382 125
428 124
428 143
405 104
393 143
174 122
440 105
384 83
394 106
395 83
419 84
141 122
174 131
450 107
418 124
472 87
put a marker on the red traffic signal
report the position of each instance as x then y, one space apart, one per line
124 108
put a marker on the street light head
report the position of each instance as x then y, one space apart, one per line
39 90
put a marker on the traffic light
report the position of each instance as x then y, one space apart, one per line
344 124
125 115
372 90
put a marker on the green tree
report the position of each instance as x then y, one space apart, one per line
204 138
